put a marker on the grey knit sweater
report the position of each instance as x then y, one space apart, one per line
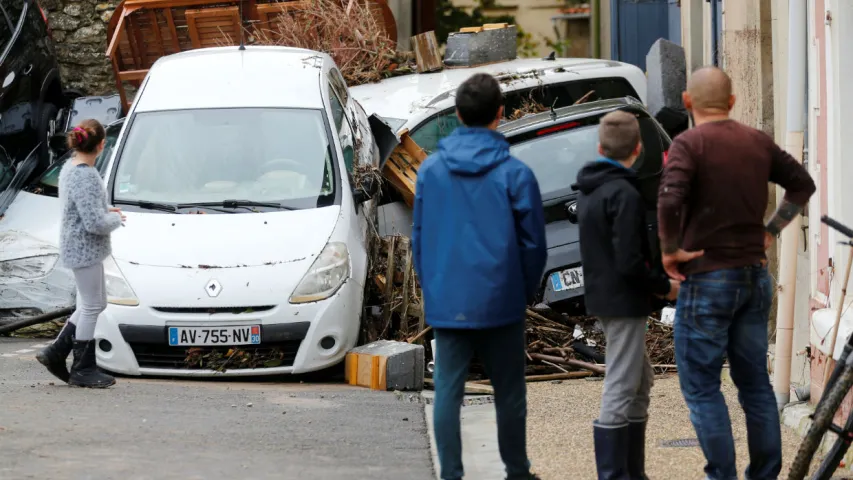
84 238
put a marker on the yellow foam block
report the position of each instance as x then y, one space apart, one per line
366 370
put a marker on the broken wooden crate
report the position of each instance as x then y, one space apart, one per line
401 169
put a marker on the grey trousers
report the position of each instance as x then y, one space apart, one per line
91 300
629 374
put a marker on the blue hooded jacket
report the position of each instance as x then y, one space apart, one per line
479 232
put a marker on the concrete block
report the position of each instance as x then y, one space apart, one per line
667 79
386 365
468 49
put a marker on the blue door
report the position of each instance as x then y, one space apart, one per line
636 25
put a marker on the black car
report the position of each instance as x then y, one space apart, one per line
30 88
556 145
47 183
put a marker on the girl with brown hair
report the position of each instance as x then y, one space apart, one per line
87 223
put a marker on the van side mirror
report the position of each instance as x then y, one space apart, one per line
369 187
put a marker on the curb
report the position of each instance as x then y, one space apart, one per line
796 417
480 455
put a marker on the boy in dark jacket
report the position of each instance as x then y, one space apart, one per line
479 251
619 286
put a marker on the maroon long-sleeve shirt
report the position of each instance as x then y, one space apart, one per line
713 193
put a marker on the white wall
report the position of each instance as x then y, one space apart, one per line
840 173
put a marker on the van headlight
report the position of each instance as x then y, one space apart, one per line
328 272
118 290
28 268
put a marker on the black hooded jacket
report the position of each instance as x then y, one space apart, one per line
615 253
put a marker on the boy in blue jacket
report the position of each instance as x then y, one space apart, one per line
479 251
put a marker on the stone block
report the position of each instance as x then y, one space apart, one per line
468 49
667 79
386 365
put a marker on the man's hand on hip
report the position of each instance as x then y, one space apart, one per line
671 262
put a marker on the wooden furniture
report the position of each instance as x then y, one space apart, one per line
142 31
214 27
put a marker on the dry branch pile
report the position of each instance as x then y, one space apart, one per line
529 106
398 314
221 359
556 343
355 39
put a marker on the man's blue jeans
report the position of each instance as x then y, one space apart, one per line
724 313
501 350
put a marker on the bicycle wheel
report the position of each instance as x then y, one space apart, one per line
820 424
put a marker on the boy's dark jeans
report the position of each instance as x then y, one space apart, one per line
501 350
725 313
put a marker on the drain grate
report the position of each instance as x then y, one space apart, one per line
681 443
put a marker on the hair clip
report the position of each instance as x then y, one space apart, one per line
81 132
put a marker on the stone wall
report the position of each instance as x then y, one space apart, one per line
80 35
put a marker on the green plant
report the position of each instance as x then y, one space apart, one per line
527 46
561 46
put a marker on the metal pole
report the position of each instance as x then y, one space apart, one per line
596 28
715 27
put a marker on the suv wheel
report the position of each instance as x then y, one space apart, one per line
46 130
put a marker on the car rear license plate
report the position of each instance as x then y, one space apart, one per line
568 279
207 336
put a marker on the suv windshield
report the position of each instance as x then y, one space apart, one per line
48 182
556 158
279 156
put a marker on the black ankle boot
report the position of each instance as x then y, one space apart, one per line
611 441
54 355
84 370
637 450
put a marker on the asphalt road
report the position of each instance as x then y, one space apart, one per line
177 429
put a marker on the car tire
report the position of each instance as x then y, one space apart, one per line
46 128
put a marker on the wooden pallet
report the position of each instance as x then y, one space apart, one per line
401 169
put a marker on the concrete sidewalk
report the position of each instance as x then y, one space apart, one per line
479 438
559 432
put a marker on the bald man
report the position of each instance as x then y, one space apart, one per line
712 199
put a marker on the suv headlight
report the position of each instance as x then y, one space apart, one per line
118 290
328 272
28 268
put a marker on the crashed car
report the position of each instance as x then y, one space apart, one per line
555 145
244 250
32 281
423 104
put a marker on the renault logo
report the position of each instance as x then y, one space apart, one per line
213 288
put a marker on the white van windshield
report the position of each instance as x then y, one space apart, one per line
280 156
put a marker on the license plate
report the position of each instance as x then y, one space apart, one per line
569 279
206 336
667 316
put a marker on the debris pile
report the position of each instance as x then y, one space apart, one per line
351 32
557 343
529 106
221 359
392 295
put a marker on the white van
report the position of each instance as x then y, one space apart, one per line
244 247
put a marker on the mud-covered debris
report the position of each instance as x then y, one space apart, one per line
222 359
